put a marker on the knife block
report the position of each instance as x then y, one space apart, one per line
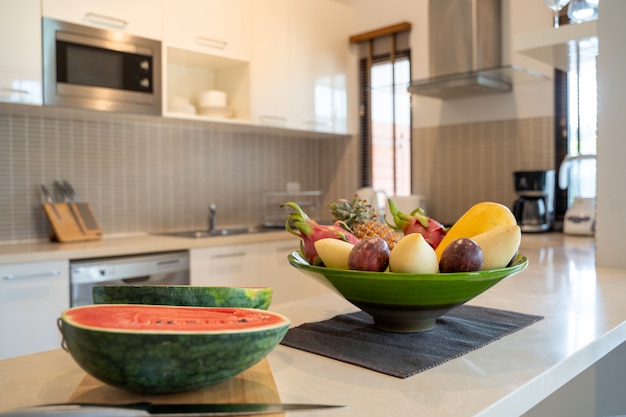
72 222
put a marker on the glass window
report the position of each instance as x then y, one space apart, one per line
391 127
583 123
385 109
576 120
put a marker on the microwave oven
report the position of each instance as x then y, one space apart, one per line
99 69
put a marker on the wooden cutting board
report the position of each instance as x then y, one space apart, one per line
252 386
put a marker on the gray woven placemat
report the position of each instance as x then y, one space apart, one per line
354 339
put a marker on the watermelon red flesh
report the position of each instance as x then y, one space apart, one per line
151 318
162 361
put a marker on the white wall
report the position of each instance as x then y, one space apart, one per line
528 100
611 195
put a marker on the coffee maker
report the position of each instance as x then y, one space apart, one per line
534 209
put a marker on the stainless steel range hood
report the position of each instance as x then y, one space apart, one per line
465 52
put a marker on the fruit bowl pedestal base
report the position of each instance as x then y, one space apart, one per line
404 319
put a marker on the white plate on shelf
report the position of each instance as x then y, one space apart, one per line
181 108
210 111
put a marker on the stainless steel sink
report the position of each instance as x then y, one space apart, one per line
229 231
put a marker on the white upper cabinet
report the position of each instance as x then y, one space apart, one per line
300 63
279 62
137 17
269 66
20 44
319 53
216 27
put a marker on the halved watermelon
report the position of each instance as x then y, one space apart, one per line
184 295
166 349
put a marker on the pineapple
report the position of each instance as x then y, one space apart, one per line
362 220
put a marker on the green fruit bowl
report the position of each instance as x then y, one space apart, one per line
403 302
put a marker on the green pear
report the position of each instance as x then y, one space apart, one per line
499 245
334 252
414 255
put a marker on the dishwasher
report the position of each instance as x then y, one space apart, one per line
165 268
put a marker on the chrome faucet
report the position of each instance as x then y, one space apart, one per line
212 215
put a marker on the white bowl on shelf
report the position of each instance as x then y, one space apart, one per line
212 98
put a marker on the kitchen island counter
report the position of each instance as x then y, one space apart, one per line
584 321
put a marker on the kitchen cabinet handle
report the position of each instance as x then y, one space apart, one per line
211 43
267 119
15 91
318 123
53 273
171 262
228 255
106 20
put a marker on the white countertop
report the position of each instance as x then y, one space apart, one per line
584 315
584 319
124 245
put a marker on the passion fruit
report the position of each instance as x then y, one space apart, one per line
461 255
371 254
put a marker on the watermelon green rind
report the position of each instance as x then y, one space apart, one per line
184 295
169 362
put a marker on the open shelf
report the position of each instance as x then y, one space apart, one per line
560 47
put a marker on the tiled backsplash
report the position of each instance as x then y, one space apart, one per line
142 173
151 174
456 166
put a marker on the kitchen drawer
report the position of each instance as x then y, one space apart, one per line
222 266
259 264
287 281
32 297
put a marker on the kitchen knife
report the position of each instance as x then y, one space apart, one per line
62 191
49 200
59 192
143 409
83 208
69 191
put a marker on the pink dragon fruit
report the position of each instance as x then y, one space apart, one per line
417 222
298 223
